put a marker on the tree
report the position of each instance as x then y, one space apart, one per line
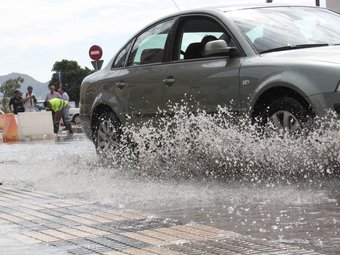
70 75
7 90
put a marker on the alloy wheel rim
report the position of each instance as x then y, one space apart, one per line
286 121
107 137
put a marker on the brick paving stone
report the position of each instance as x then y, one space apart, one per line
62 203
23 238
123 239
11 218
114 253
109 216
161 251
94 217
25 216
50 225
129 214
80 219
39 214
81 251
40 194
192 250
163 236
64 245
51 211
3 221
109 227
91 243
144 238
102 241
41 236
179 234
11 197
28 197
138 252
88 244
94 231
76 232
58 234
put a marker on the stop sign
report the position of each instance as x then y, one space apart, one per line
95 52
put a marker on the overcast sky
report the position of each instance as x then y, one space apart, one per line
34 34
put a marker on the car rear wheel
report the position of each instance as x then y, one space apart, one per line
287 114
76 119
107 134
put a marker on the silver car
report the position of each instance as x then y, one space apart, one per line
271 63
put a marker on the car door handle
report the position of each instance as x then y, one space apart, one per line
169 81
120 84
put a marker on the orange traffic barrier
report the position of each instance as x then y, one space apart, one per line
2 121
10 133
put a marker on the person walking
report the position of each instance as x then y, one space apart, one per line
16 103
29 100
60 108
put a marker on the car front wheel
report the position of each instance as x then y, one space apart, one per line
287 114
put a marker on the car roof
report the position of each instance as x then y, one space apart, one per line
227 8
234 7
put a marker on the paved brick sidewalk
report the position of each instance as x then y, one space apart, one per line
42 219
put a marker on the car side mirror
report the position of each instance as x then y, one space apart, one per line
217 48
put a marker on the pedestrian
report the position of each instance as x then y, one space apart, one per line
63 94
60 108
16 103
29 100
52 93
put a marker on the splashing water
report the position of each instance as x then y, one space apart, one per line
204 145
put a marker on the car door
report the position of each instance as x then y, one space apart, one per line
199 81
140 83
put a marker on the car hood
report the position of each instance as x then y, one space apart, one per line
330 54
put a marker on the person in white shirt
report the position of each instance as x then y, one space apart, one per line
29 100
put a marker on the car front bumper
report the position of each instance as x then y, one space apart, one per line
326 103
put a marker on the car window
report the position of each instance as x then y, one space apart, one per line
274 28
193 35
254 33
121 57
149 46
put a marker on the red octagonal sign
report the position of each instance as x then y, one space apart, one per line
95 52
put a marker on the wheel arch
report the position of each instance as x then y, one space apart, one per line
276 91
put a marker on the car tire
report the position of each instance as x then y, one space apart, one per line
107 134
76 119
287 114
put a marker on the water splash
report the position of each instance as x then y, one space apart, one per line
202 145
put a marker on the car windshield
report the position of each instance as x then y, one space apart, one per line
283 28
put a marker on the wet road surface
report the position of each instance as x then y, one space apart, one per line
300 213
